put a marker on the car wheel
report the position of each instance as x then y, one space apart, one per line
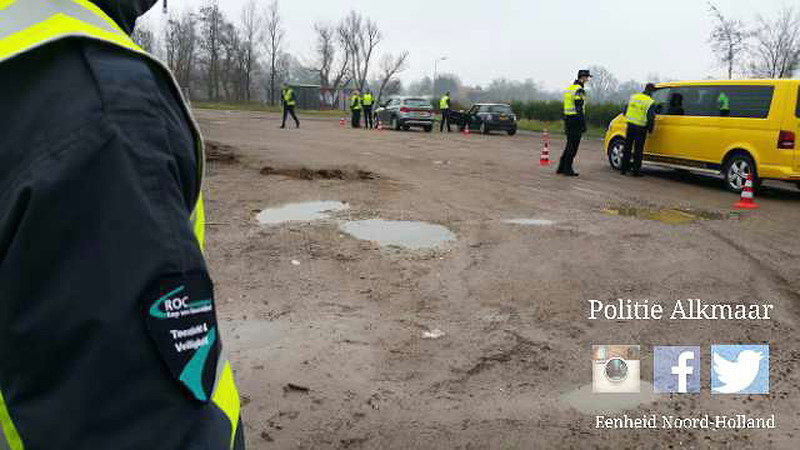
512 132
737 169
395 124
615 149
406 127
428 129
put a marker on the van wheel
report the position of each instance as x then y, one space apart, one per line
615 149
395 124
737 169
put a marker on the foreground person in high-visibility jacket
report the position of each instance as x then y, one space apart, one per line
108 330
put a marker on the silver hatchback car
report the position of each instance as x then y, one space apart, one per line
402 113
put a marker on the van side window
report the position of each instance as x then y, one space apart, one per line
752 102
693 101
661 97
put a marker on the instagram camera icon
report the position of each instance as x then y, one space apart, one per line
615 369
676 370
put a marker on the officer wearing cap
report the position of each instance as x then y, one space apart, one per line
574 122
640 115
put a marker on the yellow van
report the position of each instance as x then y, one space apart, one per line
733 128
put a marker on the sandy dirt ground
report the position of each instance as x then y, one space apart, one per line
330 353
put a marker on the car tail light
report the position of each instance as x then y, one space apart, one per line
404 110
786 140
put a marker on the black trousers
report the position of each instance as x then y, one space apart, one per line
445 120
634 144
286 111
356 122
368 116
574 131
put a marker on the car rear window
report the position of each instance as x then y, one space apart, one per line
416 102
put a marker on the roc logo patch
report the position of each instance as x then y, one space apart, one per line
182 322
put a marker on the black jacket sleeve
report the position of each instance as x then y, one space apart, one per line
92 214
651 118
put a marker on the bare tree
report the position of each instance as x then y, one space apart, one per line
776 50
250 28
359 37
728 38
325 47
144 37
605 86
390 67
180 44
274 43
212 22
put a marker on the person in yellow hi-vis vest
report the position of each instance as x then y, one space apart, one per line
574 122
108 328
641 117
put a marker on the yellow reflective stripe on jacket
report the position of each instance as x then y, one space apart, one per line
226 397
10 437
570 109
638 107
444 103
367 100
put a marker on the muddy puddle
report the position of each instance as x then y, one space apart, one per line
300 212
672 216
409 235
530 222
587 402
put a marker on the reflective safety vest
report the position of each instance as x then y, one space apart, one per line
570 96
444 103
288 97
367 100
638 106
355 102
26 25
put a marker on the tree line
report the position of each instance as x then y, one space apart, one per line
218 59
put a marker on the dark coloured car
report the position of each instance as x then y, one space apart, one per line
402 113
487 117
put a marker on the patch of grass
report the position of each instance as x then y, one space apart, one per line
557 128
265 108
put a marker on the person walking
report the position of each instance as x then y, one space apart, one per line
289 103
444 107
574 122
367 101
108 323
640 115
355 109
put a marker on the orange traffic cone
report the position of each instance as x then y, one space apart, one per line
341 122
379 126
544 160
466 130
747 201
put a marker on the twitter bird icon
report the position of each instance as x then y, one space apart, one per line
740 369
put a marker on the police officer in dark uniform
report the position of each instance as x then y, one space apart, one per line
574 122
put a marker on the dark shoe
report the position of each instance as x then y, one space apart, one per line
623 173
637 175
572 174
282 127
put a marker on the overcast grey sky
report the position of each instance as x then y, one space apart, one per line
547 41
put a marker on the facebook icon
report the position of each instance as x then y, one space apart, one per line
676 370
